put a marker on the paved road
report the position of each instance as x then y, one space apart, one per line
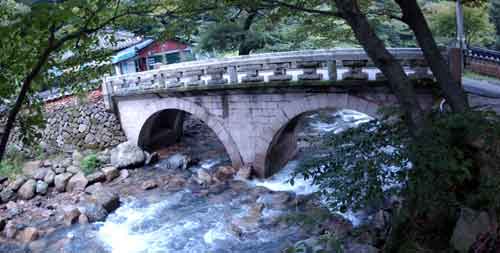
484 88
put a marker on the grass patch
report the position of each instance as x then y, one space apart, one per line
481 77
13 163
89 164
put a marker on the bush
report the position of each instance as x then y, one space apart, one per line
89 164
453 163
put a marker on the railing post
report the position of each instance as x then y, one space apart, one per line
355 70
331 67
233 74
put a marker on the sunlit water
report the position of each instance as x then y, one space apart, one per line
183 222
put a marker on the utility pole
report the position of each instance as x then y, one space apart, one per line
457 53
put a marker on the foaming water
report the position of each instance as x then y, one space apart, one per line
183 222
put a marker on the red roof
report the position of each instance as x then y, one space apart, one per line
161 47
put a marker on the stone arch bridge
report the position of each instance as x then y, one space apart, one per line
252 102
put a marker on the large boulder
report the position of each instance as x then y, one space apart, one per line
470 224
93 211
127 155
103 197
28 234
61 180
6 195
77 182
177 161
27 190
17 183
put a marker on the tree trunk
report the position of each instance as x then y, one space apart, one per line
244 49
20 99
452 90
382 58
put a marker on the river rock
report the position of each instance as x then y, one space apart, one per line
110 173
126 155
177 161
71 216
27 190
93 211
10 230
61 180
275 200
469 225
244 172
83 219
42 187
224 173
124 174
77 182
6 195
77 157
49 177
30 168
3 179
96 177
203 177
59 170
105 198
17 183
149 184
73 169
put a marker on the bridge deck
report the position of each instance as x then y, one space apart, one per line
335 67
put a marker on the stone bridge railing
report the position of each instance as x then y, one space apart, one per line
298 66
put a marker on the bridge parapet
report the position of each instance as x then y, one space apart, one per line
311 65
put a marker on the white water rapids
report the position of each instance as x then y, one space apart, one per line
183 223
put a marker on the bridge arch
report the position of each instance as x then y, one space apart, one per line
169 114
278 143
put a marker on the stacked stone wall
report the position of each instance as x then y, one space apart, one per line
74 123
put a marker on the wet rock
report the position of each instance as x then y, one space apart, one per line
77 183
244 172
73 169
127 155
3 179
13 209
470 224
83 219
42 187
203 177
235 230
152 158
275 200
10 230
27 190
49 177
61 180
105 198
110 173
149 185
6 195
96 177
224 173
28 234
93 211
71 216
360 248
17 183
177 161
124 174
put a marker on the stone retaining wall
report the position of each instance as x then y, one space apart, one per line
75 123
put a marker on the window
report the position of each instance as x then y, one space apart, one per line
173 58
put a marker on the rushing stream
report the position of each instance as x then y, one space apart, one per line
187 222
